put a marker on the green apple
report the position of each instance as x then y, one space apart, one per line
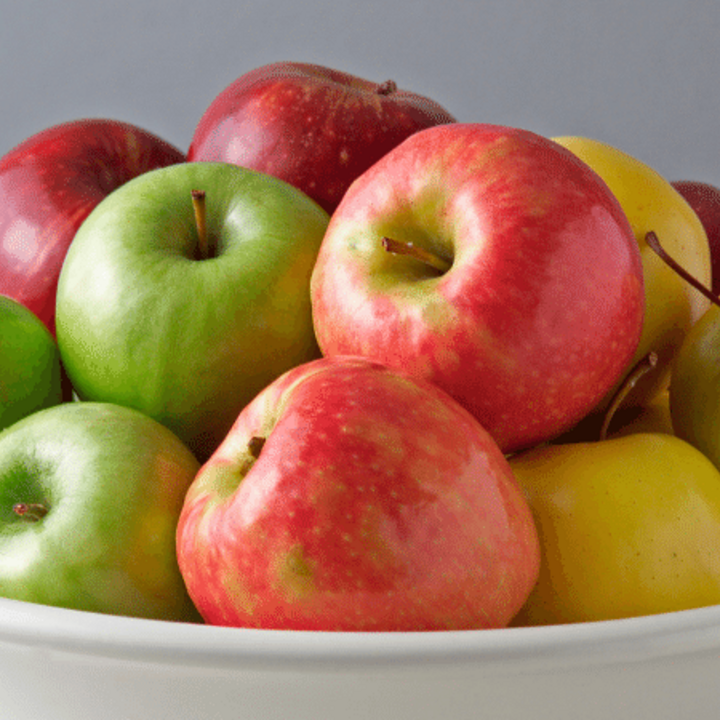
30 374
694 393
628 526
695 386
186 291
90 496
651 203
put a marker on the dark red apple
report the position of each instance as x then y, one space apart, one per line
314 127
704 199
49 183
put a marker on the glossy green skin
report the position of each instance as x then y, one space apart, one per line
695 386
142 323
113 481
30 376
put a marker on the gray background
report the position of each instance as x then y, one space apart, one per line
640 74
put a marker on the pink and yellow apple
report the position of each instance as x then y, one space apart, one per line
348 496
521 290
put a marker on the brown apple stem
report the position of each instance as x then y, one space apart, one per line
386 88
652 240
198 199
398 247
254 447
643 367
30 511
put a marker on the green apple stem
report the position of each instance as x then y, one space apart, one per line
198 200
30 511
643 367
654 243
399 247
386 88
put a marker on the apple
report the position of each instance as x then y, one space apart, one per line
186 291
90 495
693 398
695 386
628 526
49 184
651 204
30 371
704 199
312 126
348 496
492 262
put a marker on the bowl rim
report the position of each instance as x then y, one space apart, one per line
516 649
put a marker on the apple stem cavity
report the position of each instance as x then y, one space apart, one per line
399 247
386 88
254 447
30 511
198 200
644 366
654 243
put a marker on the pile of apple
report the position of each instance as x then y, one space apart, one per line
350 364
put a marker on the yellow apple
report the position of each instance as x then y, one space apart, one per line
628 526
652 204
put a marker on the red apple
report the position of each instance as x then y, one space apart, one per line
49 183
704 199
314 127
522 296
348 496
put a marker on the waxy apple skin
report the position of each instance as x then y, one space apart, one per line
704 199
312 126
143 322
542 307
628 526
672 305
30 370
49 183
376 503
112 482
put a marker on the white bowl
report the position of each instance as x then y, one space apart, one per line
58 664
